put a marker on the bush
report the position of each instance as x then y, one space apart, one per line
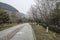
4 17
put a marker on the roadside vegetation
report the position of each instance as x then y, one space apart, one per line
6 20
41 34
6 26
46 13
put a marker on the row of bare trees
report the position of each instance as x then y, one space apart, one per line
46 12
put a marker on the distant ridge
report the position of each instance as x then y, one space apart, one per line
10 8
7 7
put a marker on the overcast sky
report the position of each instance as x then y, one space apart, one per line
21 5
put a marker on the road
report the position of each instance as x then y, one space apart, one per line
26 33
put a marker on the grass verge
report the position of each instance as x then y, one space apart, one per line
5 26
41 33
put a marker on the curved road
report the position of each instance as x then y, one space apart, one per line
26 33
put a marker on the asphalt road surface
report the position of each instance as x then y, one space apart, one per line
26 33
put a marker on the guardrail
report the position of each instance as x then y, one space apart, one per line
10 32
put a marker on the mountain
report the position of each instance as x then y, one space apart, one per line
10 9
7 7
22 15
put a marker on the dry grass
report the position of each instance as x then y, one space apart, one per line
5 26
41 33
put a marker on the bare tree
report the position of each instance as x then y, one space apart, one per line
42 11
